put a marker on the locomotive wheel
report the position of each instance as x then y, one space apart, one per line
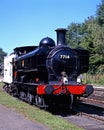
15 91
6 88
40 102
30 98
68 103
71 101
22 95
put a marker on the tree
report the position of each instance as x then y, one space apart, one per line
100 34
88 35
100 13
2 55
73 35
92 40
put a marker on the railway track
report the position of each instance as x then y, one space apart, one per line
83 114
89 112
98 94
96 99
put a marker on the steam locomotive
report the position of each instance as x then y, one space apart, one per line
46 75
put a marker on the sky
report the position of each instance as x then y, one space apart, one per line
26 22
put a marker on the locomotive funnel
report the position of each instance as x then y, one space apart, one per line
61 36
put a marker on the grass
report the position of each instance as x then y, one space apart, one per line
35 114
97 79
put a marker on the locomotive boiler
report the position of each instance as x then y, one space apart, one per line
46 75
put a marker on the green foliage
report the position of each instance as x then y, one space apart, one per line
2 55
100 13
97 79
73 35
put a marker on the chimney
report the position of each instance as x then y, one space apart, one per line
61 36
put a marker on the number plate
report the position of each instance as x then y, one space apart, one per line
64 56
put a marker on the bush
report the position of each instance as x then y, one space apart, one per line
93 79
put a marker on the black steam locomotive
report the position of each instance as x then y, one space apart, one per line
47 74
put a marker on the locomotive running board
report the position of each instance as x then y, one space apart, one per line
21 83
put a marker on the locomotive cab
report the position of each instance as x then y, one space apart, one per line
19 51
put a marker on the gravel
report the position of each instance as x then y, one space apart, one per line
86 123
10 120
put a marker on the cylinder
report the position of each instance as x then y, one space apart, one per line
61 36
